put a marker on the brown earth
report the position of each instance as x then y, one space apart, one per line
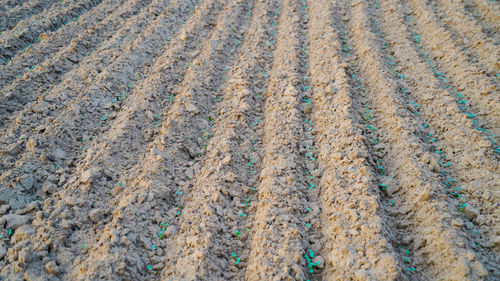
249 140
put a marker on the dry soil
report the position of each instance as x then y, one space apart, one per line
249 140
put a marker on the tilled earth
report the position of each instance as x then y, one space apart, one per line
249 140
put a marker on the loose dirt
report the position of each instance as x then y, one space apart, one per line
249 140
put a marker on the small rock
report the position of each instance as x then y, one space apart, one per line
58 153
52 267
144 242
22 233
27 181
321 261
407 240
457 222
41 107
96 215
67 224
17 202
427 96
132 237
5 195
158 266
3 209
230 177
89 175
469 225
49 187
226 161
192 108
184 35
310 165
189 172
141 197
31 144
496 241
470 212
479 269
14 148
316 247
425 195
156 259
14 221
213 44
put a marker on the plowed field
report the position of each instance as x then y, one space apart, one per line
249 140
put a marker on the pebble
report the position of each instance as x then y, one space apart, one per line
457 222
226 161
192 108
41 107
425 195
3 209
89 175
470 212
496 241
31 144
14 148
27 181
58 153
316 247
52 267
49 188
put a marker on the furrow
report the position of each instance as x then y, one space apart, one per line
310 178
102 20
27 31
9 19
466 78
355 227
468 34
213 224
279 236
66 159
469 157
424 205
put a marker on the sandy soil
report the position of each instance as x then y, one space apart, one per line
249 140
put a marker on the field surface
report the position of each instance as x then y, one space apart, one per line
249 140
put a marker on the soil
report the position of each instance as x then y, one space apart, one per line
249 140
